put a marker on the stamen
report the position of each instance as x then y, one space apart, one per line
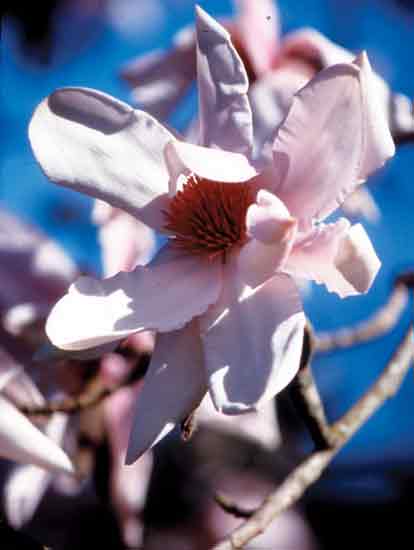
208 217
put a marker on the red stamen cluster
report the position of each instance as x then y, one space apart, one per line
207 218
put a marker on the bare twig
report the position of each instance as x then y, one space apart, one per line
306 398
231 508
309 471
70 404
90 398
374 327
188 426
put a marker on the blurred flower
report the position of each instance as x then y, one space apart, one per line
29 283
124 240
34 273
220 294
128 484
136 20
20 440
27 485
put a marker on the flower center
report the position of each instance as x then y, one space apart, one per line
208 218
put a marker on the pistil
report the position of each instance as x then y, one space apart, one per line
207 218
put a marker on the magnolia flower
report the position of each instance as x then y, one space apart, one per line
277 68
221 294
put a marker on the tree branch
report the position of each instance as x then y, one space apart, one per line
89 398
374 327
306 399
309 471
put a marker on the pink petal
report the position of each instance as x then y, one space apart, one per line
161 79
129 484
125 242
23 492
173 387
270 98
268 220
337 255
258 25
225 114
21 441
378 143
252 341
213 164
21 390
315 48
165 295
129 493
44 271
273 233
9 369
361 203
356 260
93 143
326 143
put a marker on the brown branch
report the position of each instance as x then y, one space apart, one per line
306 398
231 508
374 327
90 398
70 405
309 471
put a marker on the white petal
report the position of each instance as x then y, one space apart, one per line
252 341
27 485
173 387
225 114
21 441
95 144
163 296
212 164
337 255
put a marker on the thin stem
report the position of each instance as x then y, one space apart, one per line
374 327
306 399
89 398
